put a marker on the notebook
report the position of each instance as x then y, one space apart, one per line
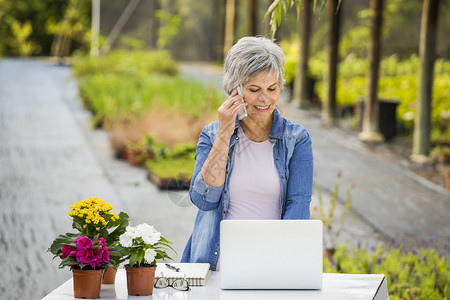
197 274
271 254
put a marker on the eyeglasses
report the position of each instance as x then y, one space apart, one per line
179 284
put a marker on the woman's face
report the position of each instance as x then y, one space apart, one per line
261 93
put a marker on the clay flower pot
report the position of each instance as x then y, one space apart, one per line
110 276
140 280
87 283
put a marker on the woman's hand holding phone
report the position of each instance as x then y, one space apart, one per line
227 113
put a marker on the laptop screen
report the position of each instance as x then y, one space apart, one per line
271 254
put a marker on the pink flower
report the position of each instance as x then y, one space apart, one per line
86 254
102 242
68 251
83 241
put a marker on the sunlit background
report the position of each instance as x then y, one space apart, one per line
107 98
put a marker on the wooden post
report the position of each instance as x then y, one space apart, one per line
95 27
251 17
300 93
333 24
370 131
229 26
427 52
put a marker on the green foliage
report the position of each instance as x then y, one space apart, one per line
124 85
333 222
126 63
114 98
20 39
28 26
176 162
170 28
398 81
422 274
278 10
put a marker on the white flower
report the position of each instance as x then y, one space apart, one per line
134 231
126 239
150 255
151 237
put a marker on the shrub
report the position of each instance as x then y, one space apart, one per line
413 274
176 162
126 63
116 98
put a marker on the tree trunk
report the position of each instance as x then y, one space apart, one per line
332 43
301 92
427 52
155 6
251 17
229 25
370 131
221 21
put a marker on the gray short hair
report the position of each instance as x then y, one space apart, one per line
249 57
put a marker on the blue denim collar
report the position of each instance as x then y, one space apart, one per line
275 130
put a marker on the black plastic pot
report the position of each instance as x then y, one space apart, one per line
387 117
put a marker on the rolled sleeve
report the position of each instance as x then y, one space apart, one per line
204 196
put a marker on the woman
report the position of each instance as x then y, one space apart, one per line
260 167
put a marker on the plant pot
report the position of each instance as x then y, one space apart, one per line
87 283
110 276
140 280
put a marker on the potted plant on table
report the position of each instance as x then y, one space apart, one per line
95 246
142 246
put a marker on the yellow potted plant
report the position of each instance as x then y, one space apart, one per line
94 247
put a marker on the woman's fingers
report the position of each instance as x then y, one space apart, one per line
238 107
232 99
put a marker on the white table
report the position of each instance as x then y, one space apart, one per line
335 286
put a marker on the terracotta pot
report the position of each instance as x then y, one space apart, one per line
110 276
140 280
87 283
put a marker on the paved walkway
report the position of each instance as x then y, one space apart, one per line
50 159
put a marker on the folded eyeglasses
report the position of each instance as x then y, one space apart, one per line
180 284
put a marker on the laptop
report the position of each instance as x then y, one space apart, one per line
271 254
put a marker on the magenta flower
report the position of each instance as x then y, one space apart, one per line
83 241
102 242
85 252
68 251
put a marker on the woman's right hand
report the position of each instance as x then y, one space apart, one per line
228 112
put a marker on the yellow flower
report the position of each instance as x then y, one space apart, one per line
92 210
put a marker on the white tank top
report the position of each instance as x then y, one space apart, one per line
255 186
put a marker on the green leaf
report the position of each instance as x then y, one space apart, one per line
133 259
121 224
63 239
140 257
77 224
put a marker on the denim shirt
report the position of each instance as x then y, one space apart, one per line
293 158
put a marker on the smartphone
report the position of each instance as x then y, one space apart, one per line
243 112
